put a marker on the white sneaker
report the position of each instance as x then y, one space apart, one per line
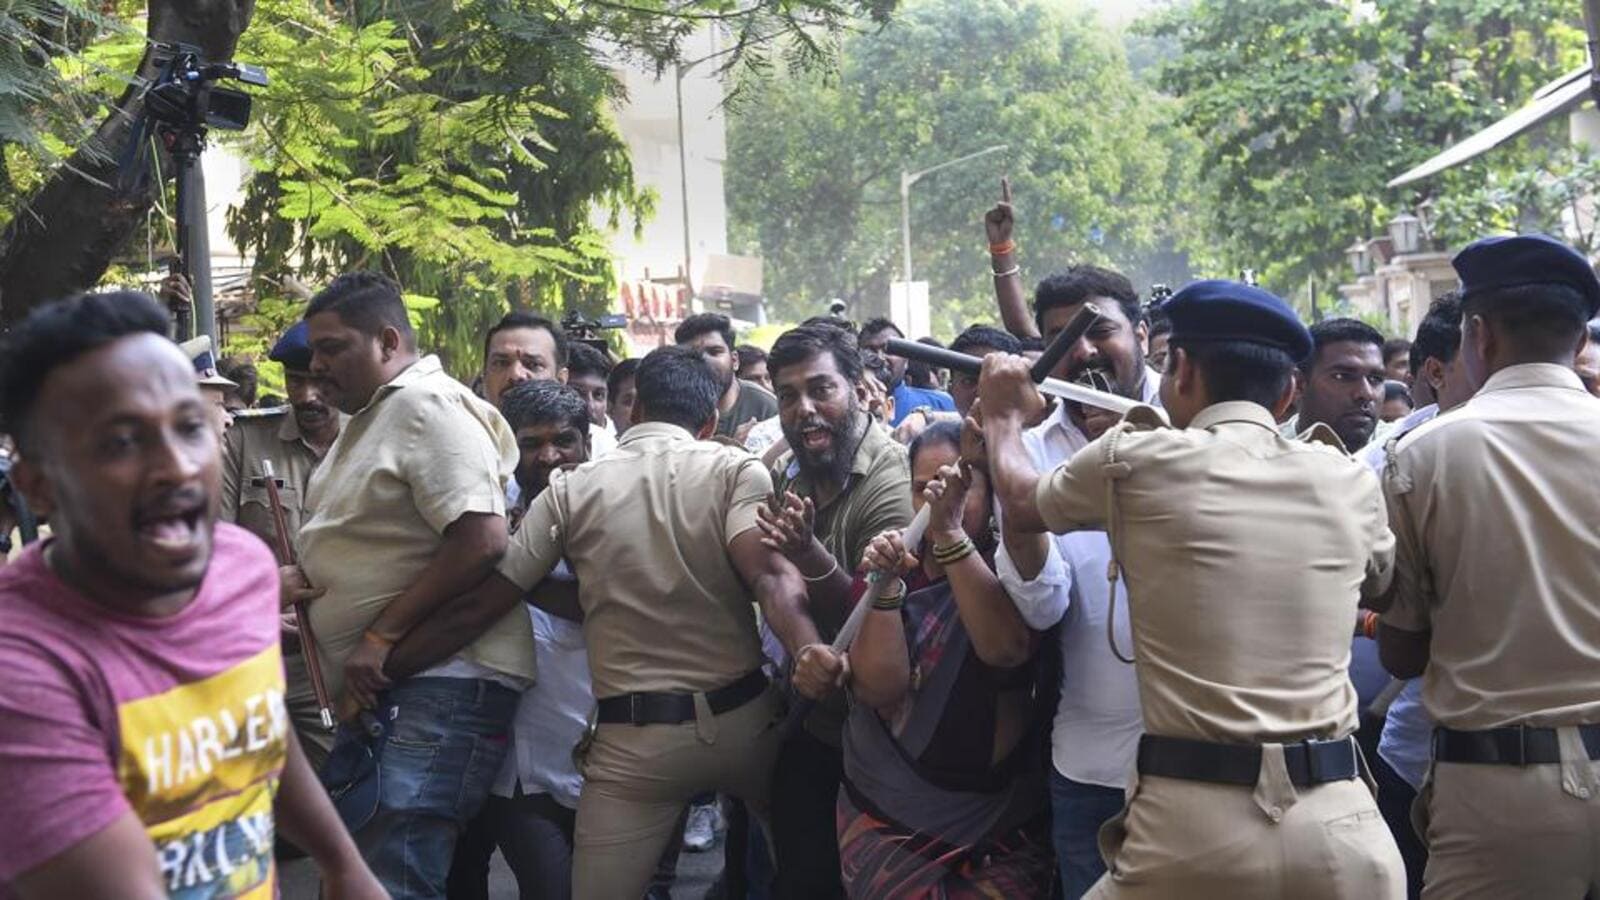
700 834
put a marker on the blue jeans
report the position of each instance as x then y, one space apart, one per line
1078 810
446 742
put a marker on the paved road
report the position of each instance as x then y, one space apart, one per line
696 871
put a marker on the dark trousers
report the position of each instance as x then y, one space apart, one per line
1394 801
1077 812
805 789
533 832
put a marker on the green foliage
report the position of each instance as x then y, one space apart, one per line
814 162
1306 108
465 147
1554 195
44 105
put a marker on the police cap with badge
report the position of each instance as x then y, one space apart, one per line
1226 311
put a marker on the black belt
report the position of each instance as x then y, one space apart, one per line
672 709
1309 762
1513 745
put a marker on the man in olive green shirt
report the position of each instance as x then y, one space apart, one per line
843 482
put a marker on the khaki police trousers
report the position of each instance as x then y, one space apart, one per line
1507 832
637 779
301 703
1198 840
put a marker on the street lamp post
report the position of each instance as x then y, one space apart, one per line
907 179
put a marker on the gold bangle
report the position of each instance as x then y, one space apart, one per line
893 601
954 553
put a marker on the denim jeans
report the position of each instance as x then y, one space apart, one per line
446 742
1078 811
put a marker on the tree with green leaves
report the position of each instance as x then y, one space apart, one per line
463 147
1305 109
1094 161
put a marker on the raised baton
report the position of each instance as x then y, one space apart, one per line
912 536
939 357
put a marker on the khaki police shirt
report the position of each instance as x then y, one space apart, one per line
1245 554
424 452
1496 507
876 497
646 529
274 435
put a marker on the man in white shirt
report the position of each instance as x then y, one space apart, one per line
1062 579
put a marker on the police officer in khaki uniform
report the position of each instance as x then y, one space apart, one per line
294 438
1245 555
1496 601
661 534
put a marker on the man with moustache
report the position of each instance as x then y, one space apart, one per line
524 347
144 751
843 482
294 438
1341 383
742 402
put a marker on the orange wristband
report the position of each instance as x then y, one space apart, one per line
1369 624
376 638
1003 248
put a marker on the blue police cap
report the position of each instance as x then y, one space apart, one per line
294 348
1526 259
1213 311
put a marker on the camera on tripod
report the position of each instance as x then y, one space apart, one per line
186 95
182 102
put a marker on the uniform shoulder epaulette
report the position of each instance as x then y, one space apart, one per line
270 412
1144 417
1320 433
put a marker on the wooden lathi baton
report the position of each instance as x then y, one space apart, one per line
308 640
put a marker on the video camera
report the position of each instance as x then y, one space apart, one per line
1156 307
186 94
591 331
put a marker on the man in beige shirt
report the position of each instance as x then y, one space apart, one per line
408 513
1245 554
1494 507
661 535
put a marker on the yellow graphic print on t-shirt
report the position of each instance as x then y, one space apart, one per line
200 765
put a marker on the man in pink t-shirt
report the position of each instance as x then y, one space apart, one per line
144 748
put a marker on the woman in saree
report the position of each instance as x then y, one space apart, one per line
944 792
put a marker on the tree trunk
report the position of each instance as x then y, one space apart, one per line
63 240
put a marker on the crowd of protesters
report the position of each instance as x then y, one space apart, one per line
1316 618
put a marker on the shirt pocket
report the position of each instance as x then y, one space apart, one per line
255 512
